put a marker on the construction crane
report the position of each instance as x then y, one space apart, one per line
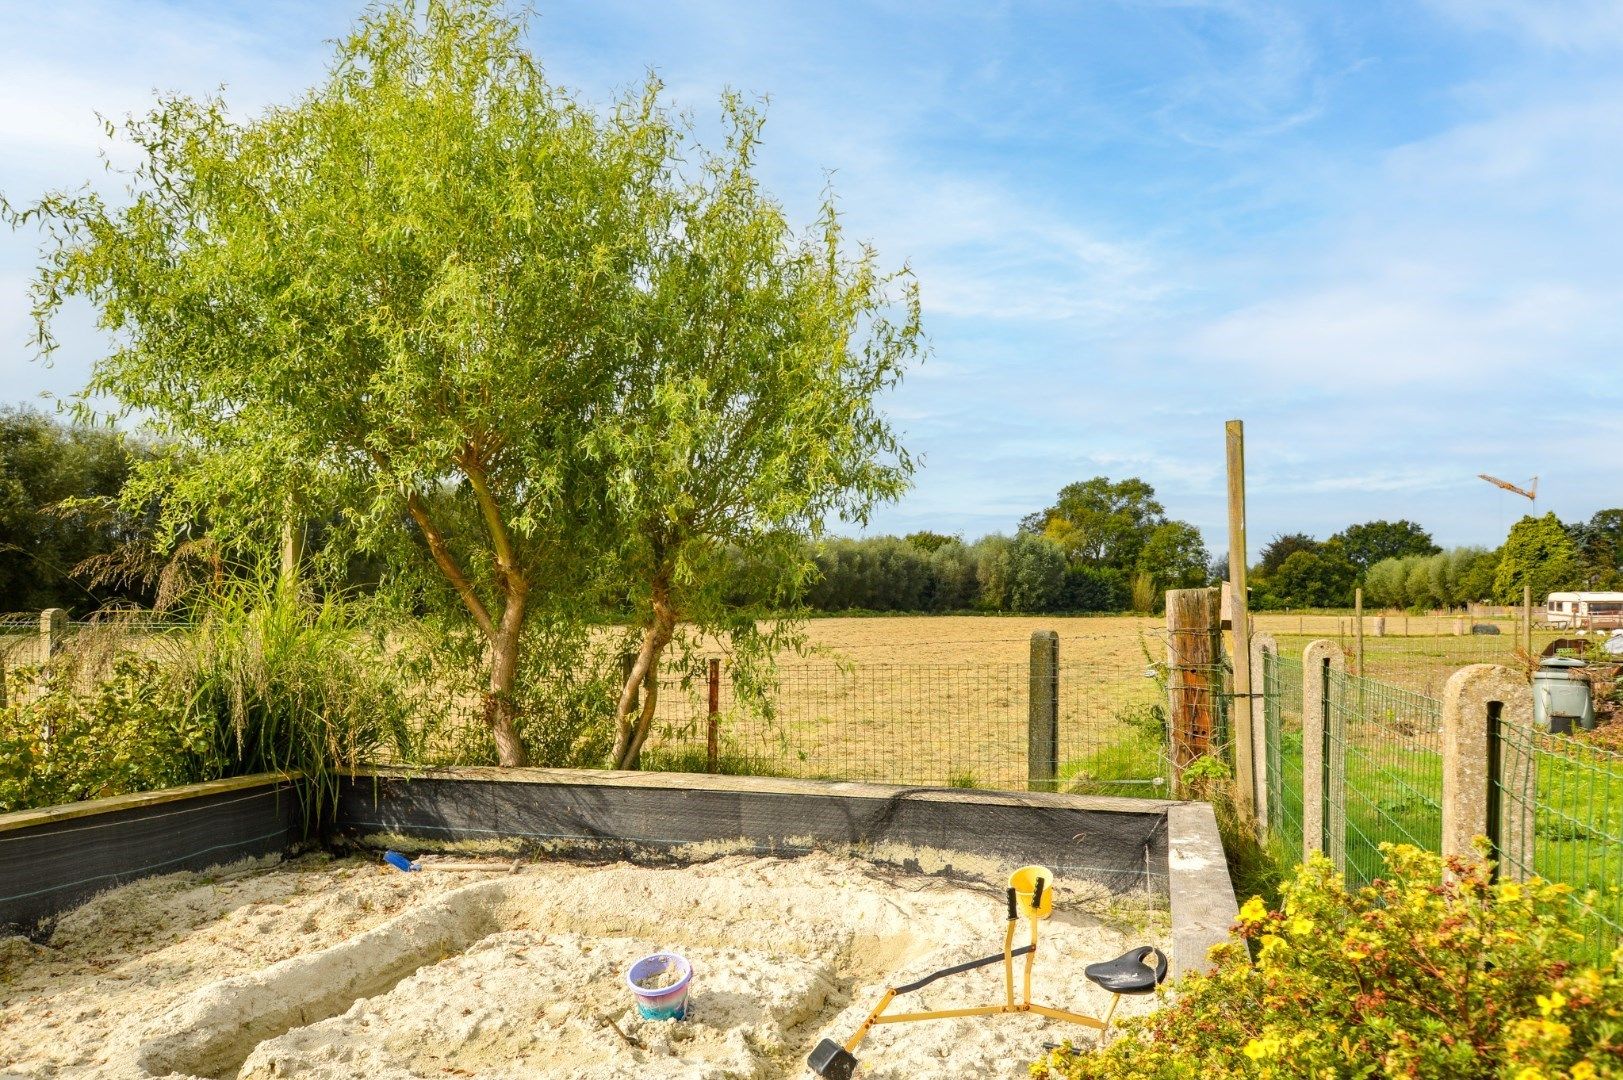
1528 493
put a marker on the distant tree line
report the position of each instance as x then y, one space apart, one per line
1399 565
1103 545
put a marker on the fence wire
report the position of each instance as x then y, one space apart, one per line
959 725
1386 744
1282 716
1573 798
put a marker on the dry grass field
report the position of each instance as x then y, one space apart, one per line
944 699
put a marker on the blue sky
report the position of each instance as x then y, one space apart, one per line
1389 236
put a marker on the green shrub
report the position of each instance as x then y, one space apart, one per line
268 679
127 733
1412 976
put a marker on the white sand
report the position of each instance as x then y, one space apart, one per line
338 970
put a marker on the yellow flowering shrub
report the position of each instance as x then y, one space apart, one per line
1416 975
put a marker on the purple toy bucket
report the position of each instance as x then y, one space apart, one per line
666 1002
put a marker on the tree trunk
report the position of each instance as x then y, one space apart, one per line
500 712
631 734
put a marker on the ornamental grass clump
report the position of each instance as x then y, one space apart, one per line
1416 975
265 678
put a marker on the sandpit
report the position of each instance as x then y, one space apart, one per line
331 968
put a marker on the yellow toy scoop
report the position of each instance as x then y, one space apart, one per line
1033 891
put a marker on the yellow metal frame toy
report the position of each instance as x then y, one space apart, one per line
1030 895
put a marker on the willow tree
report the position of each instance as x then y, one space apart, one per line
746 416
580 356
406 292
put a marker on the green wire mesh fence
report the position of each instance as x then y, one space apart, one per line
1388 743
1383 783
1423 664
1574 796
1282 714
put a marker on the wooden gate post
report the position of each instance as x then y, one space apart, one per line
1194 651
1324 762
1042 721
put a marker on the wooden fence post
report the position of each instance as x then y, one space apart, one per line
712 736
1527 619
1194 651
1263 646
1245 755
1489 773
1042 719
1358 632
1324 763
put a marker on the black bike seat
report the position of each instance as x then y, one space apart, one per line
1130 973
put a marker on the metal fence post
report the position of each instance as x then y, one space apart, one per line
1042 724
1489 772
1324 764
1263 646
53 627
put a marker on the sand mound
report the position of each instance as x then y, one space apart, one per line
355 971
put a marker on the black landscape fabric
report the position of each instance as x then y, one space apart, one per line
1121 849
46 869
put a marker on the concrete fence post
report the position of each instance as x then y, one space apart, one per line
1263 646
1489 773
1042 725
53 627
1324 757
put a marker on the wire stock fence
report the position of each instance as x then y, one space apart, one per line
1570 794
1282 743
1555 801
1422 664
960 725
1386 744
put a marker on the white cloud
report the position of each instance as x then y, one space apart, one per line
982 251
1575 25
1408 327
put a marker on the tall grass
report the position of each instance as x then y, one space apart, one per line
290 683
268 679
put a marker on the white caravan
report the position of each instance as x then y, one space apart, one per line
1584 610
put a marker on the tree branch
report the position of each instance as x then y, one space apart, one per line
513 580
448 564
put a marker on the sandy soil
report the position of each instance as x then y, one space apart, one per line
329 969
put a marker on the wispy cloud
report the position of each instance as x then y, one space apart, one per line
1385 237
1575 25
